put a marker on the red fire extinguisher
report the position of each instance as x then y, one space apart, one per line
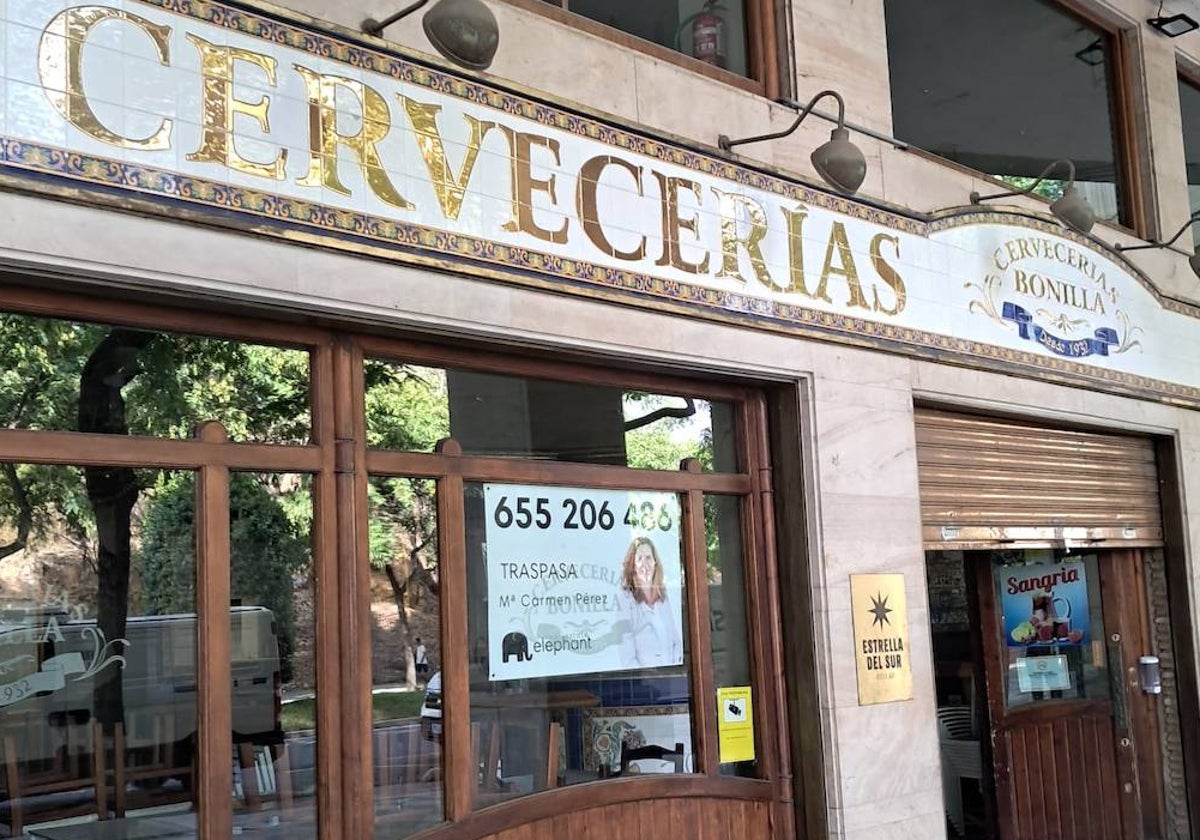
708 34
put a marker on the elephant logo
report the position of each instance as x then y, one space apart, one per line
515 644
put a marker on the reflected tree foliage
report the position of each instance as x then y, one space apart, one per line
67 376
408 409
112 492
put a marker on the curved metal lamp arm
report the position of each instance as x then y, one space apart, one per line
976 197
376 27
726 144
1156 244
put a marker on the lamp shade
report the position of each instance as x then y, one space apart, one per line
464 31
1174 25
1194 262
840 162
1073 210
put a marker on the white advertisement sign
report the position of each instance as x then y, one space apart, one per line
582 580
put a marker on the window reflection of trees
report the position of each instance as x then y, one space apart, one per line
93 378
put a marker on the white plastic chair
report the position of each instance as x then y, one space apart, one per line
962 758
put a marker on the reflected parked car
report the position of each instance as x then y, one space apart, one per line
431 709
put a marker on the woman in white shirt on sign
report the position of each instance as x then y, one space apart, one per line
651 638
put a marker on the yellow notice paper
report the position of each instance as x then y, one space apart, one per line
735 724
881 638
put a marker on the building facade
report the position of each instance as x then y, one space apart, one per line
693 494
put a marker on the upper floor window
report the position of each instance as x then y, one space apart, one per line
717 32
1008 88
1189 110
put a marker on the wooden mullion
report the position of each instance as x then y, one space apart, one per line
762 53
1133 197
768 39
1144 708
325 565
354 592
214 788
540 367
459 771
698 617
980 583
766 618
82 449
508 470
47 303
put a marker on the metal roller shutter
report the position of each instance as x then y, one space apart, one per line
993 483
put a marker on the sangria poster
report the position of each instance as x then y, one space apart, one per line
1044 604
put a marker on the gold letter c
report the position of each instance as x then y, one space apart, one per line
60 67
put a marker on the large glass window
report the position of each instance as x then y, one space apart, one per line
413 407
711 31
1006 89
61 375
100 681
1054 642
1189 110
98 671
576 606
730 626
581 614
406 654
273 646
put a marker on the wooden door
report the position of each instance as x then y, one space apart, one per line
1061 635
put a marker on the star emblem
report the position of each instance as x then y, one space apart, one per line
879 609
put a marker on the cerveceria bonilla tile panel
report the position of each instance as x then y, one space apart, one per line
277 127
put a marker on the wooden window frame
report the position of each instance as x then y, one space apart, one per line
1137 204
451 470
340 463
762 48
211 457
1187 73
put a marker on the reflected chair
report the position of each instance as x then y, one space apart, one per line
554 741
140 772
68 778
651 751
962 758
487 756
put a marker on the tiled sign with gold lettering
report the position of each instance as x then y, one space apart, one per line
249 119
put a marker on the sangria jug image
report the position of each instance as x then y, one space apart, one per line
1063 632
1042 617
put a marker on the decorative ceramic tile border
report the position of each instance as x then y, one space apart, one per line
1062 310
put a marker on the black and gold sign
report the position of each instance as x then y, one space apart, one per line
881 648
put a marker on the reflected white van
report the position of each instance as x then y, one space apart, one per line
50 668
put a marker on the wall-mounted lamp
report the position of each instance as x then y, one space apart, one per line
1072 209
1093 54
1193 260
464 31
838 161
1172 25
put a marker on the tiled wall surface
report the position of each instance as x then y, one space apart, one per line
862 436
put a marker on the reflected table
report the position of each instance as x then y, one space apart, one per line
169 827
518 736
144 828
